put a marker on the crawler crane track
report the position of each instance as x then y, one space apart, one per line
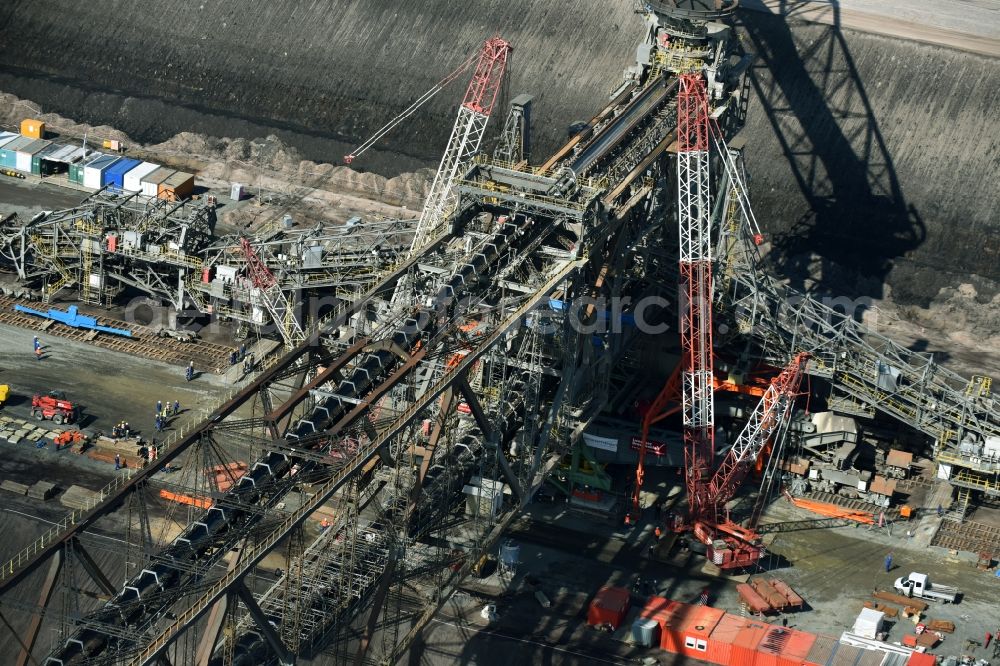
968 535
144 343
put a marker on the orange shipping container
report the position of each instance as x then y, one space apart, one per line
177 187
744 651
689 628
720 643
784 647
33 128
609 606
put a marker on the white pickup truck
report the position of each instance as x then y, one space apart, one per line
918 585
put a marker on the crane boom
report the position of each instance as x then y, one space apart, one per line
274 299
774 408
411 109
466 135
694 226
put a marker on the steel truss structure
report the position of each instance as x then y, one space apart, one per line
114 241
421 425
482 381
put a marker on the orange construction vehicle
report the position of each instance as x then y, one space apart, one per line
54 406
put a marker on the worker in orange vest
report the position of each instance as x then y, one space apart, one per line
628 519
324 524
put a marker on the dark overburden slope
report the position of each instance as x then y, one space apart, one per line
877 155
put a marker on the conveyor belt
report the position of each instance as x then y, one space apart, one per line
618 129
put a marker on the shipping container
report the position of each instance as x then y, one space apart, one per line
609 607
921 659
151 183
646 632
114 177
177 187
45 162
93 173
26 153
720 643
132 182
34 129
8 154
784 647
744 650
76 169
687 629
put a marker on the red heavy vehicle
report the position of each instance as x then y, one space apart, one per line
54 406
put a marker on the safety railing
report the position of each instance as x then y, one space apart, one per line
55 532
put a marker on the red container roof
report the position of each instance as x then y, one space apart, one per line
921 659
612 598
695 620
729 628
787 643
751 635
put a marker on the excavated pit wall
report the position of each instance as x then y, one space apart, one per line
872 160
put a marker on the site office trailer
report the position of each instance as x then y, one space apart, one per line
784 647
76 169
93 173
744 647
610 605
115 175
151 183
8 154
688 629
720 643
42 162
26 154
132 181
176 187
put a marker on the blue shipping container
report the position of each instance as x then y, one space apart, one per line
115 175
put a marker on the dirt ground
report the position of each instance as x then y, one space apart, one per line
109 386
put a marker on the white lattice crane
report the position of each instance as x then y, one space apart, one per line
465 138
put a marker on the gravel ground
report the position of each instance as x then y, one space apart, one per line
108 385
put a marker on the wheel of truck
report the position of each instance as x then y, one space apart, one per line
57 419
37 415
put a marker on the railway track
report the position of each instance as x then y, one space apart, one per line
968 535
144 343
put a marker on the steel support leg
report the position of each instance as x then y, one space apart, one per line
31 634
490 433
95 571
285 658
216 618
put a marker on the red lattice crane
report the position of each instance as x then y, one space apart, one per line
271 295
732 546
692 385
695 287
